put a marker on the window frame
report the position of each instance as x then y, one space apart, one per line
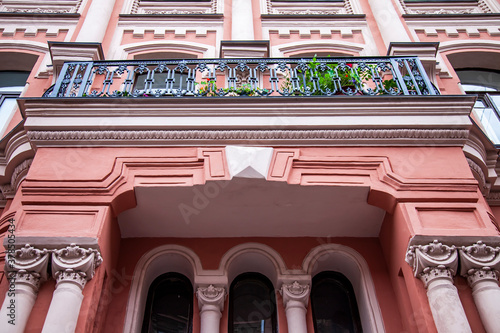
272 298
344 282
151 293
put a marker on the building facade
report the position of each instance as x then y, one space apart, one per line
250 166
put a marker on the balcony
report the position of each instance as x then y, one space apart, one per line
380 101
206 78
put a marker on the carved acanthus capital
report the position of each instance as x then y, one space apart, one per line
21 277
479 262
433 261
75 264
27 265
295 292
211 295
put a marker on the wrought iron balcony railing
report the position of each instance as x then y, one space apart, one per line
244 77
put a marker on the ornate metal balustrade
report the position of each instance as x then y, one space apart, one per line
244 77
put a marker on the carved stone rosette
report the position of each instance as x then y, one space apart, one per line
28 266
479 262
295 292
433 261
211 295
75 264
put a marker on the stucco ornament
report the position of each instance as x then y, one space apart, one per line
75 264
479 262
28 266
432 261
211 295
295 292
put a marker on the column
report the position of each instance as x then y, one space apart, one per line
210 303
435 264
96 22
388 21
27 268
242 20
72 267
295 300
480 265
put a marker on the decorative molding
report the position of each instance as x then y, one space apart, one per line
479 262
439 8
295 292
177 12
186 137
433 261
75 264
28 265
170 8
40 7
308 8
18 175
441 11
479 175
211 295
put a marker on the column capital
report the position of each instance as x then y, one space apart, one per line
211 295
479 262
28 265
433 261
295 292
75 264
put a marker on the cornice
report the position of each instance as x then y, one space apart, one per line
341 137
259 121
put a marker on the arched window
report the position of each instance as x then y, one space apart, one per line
252 304
169 306
334 304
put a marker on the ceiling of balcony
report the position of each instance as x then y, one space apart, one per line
251 207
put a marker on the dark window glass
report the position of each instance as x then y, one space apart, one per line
334 305
479 79
13 78
169 306
252 305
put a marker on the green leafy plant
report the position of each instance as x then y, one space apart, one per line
207 88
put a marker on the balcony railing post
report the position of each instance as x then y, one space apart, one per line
399 76
423 73
85 79
59 80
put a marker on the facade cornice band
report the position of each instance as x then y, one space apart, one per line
341 137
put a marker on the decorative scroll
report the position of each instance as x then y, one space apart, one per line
244 77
